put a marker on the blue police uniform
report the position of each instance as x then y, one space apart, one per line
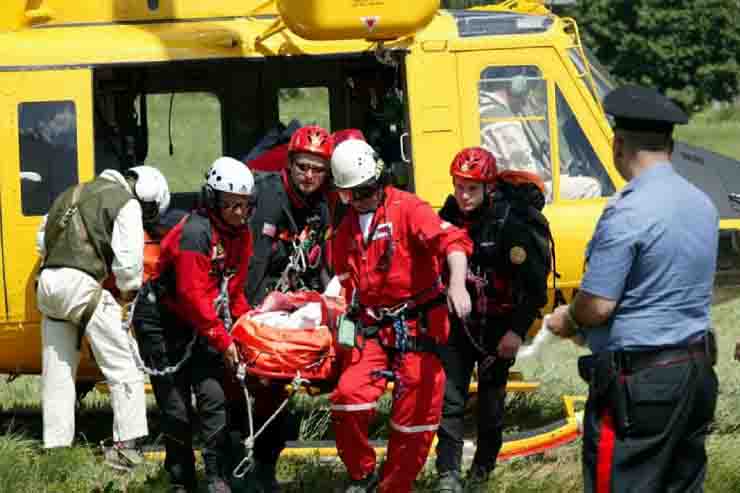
652 253
652 389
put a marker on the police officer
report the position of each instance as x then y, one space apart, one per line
643 308
507 276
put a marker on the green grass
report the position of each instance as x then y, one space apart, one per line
78 469
716 130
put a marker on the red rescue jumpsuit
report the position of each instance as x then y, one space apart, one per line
401 261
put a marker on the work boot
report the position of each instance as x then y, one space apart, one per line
265 479
218 485
123 456
364 485
477 480
450 482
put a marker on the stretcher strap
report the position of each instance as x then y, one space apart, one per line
247 464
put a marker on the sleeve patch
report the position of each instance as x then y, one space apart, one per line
269 230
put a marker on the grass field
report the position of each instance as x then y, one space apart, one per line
25 468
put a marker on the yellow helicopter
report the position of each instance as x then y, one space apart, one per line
86 86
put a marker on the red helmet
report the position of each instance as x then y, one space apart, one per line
347 134
474 163
313 140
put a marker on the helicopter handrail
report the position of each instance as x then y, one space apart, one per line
570 22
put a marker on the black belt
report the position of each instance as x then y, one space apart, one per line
634 361
412 312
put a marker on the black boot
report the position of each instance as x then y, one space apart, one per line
368 484
265 478
477 480
450 482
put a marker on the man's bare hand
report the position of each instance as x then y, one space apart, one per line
458 301
558 322
509 345
231 356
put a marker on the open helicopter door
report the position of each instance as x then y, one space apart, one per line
526 108
47 142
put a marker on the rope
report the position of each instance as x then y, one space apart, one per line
134 347
247 464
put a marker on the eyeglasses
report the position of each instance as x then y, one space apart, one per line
246 205
304 168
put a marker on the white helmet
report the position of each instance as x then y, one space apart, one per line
354 163
229 175
151 187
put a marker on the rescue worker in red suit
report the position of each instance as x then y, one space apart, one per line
390 250
508 281
338 209
186 310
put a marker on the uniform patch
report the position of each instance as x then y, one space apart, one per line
269 230
517 255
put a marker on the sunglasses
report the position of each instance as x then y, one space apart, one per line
306 167
356 194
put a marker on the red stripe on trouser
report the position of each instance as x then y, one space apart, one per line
353 447
605 454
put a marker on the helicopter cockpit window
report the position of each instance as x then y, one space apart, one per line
601 77
513 119
582 175
48 153
308 105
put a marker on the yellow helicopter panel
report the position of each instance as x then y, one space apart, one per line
19 14
48 126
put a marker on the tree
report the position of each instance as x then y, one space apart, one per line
689 49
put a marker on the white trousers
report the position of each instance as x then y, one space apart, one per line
62 295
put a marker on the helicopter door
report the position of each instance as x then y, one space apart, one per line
47 144
524 107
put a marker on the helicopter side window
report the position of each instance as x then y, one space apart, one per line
513 119
48 153
582 175
184 137
308 105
